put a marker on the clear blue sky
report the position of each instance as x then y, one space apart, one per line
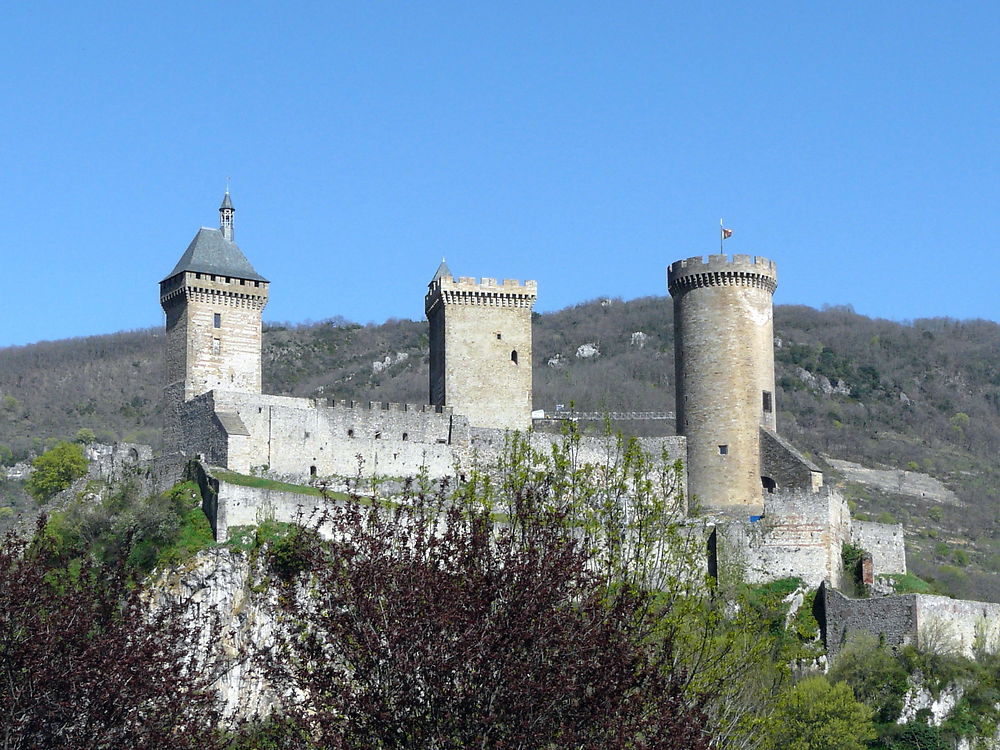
584 145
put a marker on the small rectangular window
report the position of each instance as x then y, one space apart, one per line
217 321
768 402
723 450
216 346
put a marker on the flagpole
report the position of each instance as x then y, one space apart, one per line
722 235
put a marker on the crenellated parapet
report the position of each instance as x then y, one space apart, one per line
213 289
485 292
722 270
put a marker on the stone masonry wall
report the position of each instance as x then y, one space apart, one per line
799 534
298 438
932 623
893 619
944 624
724 355
884 542
486 361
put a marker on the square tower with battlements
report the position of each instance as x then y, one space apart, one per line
213 300
480 348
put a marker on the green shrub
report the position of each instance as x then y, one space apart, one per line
877 677
55 470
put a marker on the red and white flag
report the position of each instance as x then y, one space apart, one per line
726 233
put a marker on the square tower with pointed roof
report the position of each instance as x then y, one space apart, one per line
213 300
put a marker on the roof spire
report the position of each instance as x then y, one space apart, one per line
226 212
442 272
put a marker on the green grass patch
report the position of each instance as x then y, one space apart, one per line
907 583
245 480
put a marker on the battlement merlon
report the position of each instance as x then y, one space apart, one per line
205 287
485 292
722 270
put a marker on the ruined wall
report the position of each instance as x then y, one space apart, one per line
884 542
724 357
932 623
788 468
799 534
480 359
944 624
893 619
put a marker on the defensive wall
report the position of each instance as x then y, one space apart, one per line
884 542
796 533
932 623
299 439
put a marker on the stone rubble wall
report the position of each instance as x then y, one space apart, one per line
884 542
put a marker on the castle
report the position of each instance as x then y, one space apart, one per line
764 505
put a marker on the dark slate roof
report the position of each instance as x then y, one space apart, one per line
442 272
232 423
210 252
226 202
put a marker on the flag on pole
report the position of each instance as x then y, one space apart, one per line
724 234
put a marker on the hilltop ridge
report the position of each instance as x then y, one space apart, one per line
921 398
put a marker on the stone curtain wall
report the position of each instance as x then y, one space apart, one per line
933 623
944 624
893 619
799 534
884 542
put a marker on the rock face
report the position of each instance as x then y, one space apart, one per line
223 595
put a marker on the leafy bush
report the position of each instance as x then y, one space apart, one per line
815 715
55 470
877 677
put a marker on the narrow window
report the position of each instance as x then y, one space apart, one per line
216 346
350 433
406 436
312 471
723 450
513 356
217 320
499 336
768 402
378 435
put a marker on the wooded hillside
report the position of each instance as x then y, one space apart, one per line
921 397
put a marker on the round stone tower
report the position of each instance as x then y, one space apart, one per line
724 359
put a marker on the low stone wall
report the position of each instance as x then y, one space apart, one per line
237 505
